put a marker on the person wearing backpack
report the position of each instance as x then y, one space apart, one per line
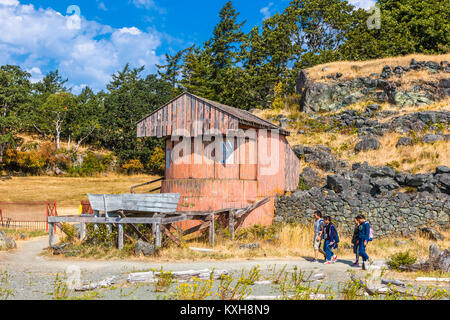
331 241
319 231
364 238
355 242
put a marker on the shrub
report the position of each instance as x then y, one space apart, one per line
133 166
302 185
401 259
157 162
92 164
101 235
70 231
25 161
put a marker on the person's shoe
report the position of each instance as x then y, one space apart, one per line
335 258
364 266
314 260
355 264
328 262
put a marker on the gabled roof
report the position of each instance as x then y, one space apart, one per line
240 116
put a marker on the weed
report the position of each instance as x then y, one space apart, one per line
165 280
5 290
197 290
401 259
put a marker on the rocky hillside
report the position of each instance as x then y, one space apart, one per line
395 81
378 145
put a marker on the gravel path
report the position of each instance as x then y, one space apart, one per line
32 276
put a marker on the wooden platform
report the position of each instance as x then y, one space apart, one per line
114 208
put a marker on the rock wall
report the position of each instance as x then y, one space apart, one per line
394 216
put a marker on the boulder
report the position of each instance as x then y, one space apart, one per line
415 180
144 248
311 177
434 252
432 234
2 240
443 261
10 243
404 141
63 248
367 144
298 150
442 169
443 182
337 183
384 184
431 138
386 73
6 243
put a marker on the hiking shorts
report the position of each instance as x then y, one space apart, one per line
316 243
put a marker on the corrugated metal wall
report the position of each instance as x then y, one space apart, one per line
207 185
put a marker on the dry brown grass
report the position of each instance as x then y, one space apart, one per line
295 242
355 69
419 158
68 192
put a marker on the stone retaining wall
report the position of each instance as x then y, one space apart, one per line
392 216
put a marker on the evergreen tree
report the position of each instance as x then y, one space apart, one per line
131 97
15 89
172 70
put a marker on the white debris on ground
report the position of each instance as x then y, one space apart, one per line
96 285
179 275
425 279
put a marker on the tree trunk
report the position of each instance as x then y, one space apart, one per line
2 149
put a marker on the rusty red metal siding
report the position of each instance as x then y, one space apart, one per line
211 185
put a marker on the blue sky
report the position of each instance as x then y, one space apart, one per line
88 40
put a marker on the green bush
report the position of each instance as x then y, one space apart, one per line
133 166
302 185
92 164
401 259
70 231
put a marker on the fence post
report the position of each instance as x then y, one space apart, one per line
231 224
158 235
82 231
51 234
46 226
120 244
212 230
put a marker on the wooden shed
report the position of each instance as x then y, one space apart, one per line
220 157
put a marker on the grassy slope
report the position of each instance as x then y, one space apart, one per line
355 69
419 158
68 192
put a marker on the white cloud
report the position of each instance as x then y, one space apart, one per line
147 4
363 4
39 39
266 12
102 6
9 2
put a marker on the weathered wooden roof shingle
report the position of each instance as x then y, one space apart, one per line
187 108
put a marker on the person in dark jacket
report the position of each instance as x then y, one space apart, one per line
330 241
355 242
363 238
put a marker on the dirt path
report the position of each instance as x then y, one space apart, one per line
32 276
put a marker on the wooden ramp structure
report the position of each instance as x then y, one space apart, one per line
157 210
